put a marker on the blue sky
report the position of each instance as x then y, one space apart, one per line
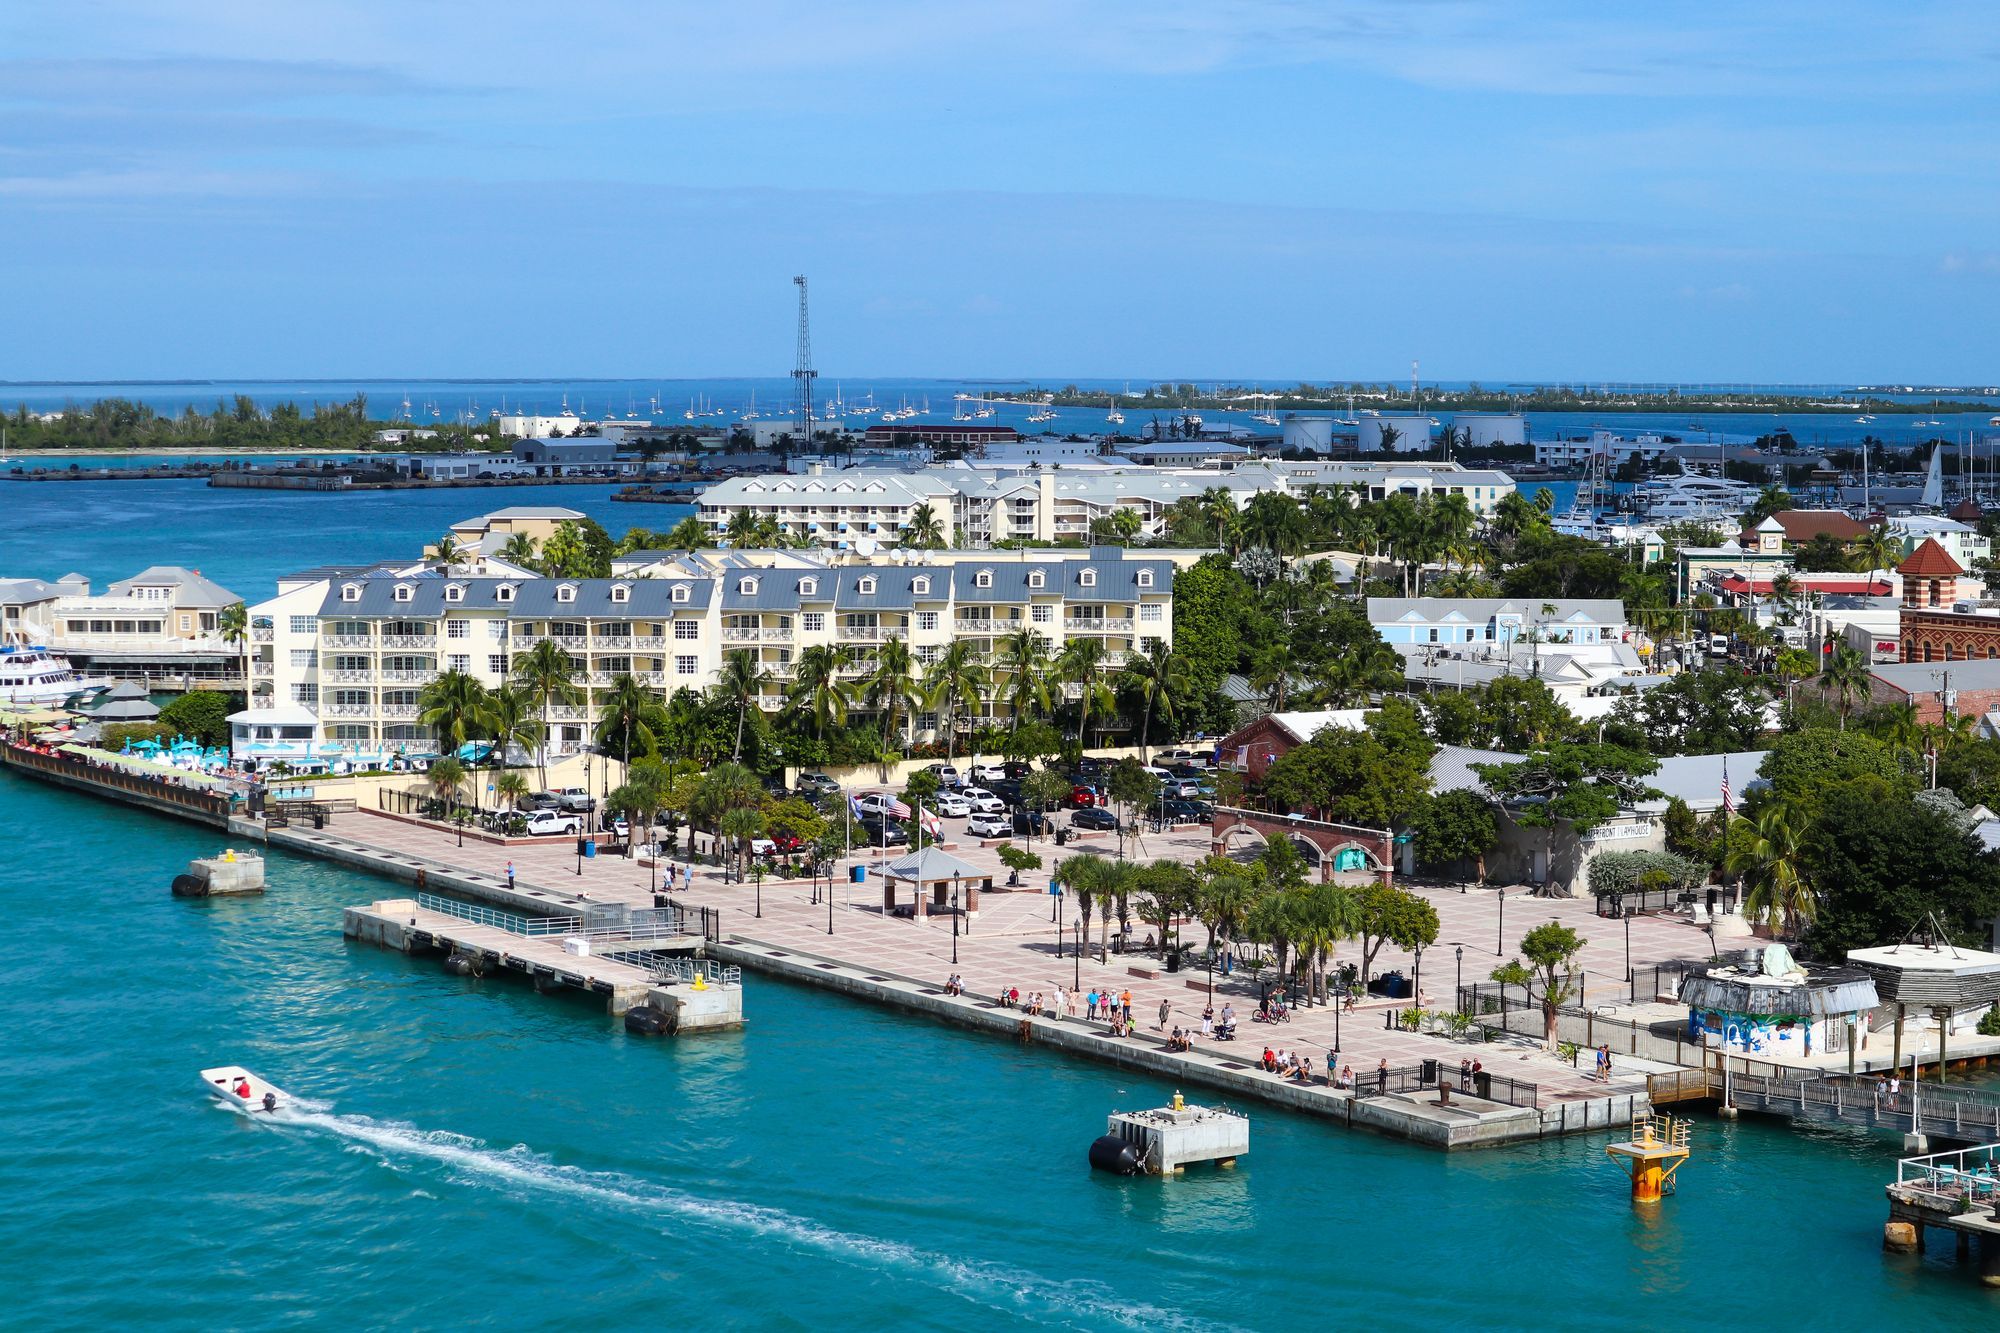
1177 188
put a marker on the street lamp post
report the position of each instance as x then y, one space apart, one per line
1458 983
1417 986
757 873
1076 958
954 917
1500 933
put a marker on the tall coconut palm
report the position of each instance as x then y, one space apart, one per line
1771 864
741 682
1274 521
629 718
1024 660
1081 663
456 708
1083 878
741 529
233 623
1846 678
447 554
892 688
511 721
547 673
817 690
447 779
511 788
950 682
1161 678
924 530
690 534
520 551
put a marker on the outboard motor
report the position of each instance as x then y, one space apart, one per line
1118 1156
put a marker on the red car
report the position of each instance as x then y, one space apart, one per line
1081 798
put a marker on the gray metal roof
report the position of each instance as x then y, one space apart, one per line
1697 779
533 599
774 589
1451 768
1478 610
895 587
1117 579
193 589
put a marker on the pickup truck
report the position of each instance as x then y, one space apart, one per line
542 823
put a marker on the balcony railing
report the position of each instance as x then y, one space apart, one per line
738 634
566 713
654 678
410 675
399 710
409 641
260 633
963 626
342 675
645 641
1098 625
349 710
574 643
350 640
611 643
261 668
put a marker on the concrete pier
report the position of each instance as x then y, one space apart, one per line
1172 1137
232 872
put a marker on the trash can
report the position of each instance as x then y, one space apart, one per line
1173 960
590 849
1430 1072
1482 1084
319 819
1062 837
857 874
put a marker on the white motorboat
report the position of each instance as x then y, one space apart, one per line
31 674
241 1090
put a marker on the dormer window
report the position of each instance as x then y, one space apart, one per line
866 587
566 593
808 587
983 579
455 592
920 586
350 592
504 593
746 587
681 592
405 593
1087 579
621 592
1145 578
1037 579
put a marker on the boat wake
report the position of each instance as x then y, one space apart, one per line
996 1286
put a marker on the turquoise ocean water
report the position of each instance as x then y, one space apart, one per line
484 1154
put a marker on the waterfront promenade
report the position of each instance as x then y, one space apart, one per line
1014 944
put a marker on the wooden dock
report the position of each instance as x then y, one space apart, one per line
1958 1192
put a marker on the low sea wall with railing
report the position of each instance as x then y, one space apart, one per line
162 794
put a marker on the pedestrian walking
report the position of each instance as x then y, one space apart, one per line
1604 1059
1090 1004
1382 1076
1166 1012
1895 1090
510 876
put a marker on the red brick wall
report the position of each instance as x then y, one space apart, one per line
1255 745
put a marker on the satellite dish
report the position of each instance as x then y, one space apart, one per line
867 546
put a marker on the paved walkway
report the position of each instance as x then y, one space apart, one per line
1013 942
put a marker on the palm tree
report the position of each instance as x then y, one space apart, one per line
511 722
893 686
741 681
1083 877
740 824
950 681
447 553
447 777
511 788
233 623
690 534
1876 549
1770 864
923 530
1846 678
456 708
1274 521
629 715
741 530
1161 678
519 551
545 671
1081 663
1024 658
817 689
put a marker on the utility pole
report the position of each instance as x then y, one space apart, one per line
803 372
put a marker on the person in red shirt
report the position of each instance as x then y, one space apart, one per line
243 1088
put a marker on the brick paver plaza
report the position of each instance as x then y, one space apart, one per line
1013 942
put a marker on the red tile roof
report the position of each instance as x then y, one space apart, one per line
1930 561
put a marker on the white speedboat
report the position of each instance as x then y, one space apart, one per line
31 674
241 1090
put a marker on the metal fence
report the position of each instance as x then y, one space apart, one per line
1422 1077
637 925
683 970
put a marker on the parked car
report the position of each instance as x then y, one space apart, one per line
542 823
880 804
1169 758
810 784
951 804
983 801
541 800
1081 797
577 800
1093 818
882 832
1017 769
988 772
1007 790
1030 822
947 776
1186 812
1180 788
989 824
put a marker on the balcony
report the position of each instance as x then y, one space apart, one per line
1099 625
260 633
350 640
411 675
428 641
736 634
656 679
350 710
261 668
963 626
344 675
611 643
398 710
642 642
570 643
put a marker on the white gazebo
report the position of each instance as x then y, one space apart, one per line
944 874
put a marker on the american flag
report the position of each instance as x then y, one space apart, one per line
1728 810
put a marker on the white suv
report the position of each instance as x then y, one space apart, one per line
988 772
983 801
985 825
545 822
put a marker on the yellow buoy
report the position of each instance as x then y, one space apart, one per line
1658 1146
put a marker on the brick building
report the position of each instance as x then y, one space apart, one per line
1936 626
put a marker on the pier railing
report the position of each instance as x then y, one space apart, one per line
1484 1084
683 970
639 926
212 805
1972 1174
1961 1113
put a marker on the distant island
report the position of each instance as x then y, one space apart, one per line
1864 400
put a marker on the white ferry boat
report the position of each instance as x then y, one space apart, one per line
31 674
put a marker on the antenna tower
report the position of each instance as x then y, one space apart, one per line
804 372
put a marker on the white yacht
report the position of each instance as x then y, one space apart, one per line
1693 497
31 674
